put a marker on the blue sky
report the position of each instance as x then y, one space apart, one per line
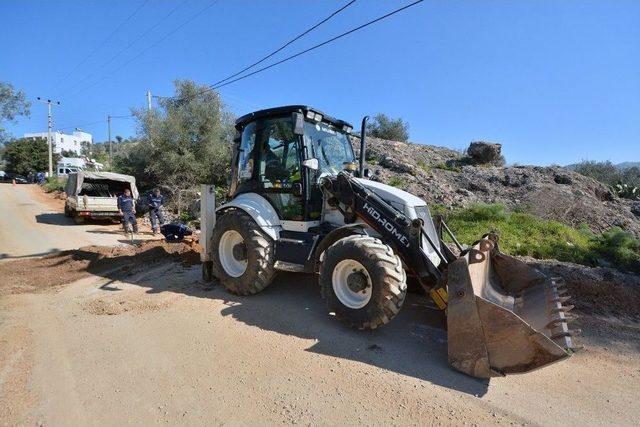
553 81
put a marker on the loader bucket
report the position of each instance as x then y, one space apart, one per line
504 317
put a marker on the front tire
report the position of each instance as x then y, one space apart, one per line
243 255
363 282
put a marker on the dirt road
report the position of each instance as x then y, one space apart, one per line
155 345
33 224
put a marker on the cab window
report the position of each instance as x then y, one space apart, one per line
246 153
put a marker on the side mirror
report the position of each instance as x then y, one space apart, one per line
367 173
296 189
311 164
298 124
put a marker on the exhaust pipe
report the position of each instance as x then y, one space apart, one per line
363 144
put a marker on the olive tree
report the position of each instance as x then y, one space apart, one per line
184 142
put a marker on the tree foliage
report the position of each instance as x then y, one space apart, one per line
13 103
26 155
625 182
384 127
184 142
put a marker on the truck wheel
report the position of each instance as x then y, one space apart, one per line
67 211
78 219
243 255
362 281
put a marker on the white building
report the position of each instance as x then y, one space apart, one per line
65 142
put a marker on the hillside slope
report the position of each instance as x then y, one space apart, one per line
442 177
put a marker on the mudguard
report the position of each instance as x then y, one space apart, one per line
259 209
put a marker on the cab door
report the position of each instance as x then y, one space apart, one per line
280 173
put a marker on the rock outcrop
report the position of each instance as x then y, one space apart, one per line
450 178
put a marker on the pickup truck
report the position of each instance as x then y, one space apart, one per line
95 194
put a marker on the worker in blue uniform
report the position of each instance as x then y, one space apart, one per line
127 208
155 201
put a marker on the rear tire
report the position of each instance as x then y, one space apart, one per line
234 229
362 261
78 219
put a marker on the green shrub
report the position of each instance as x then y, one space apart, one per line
448 167
627 191
619 247
54 184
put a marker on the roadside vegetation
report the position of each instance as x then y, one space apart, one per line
525 234
53 184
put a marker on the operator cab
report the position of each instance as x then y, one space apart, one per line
282 154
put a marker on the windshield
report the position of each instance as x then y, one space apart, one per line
330 146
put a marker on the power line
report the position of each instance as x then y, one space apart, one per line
81 125
166 36
286 44
215 87
101 44
134 41
94 123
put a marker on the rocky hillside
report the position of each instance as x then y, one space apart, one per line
450 178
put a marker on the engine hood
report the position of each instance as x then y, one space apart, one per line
413 207
393 195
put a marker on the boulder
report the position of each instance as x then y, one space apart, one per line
486 152
562 178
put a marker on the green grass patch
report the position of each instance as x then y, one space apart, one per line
448 167
424 166
54 184
525 234
396 181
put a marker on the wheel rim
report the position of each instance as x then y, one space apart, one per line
340 282
232 266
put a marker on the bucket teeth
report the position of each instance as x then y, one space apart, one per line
555 323
564 308
571 333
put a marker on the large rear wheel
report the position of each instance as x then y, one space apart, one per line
243 255
363 282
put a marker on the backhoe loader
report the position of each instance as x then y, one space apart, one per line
300 202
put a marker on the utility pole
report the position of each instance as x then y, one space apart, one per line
110 149
49 126
149 100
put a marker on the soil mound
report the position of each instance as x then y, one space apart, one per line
51 271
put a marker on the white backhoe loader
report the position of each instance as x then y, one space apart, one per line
300 202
